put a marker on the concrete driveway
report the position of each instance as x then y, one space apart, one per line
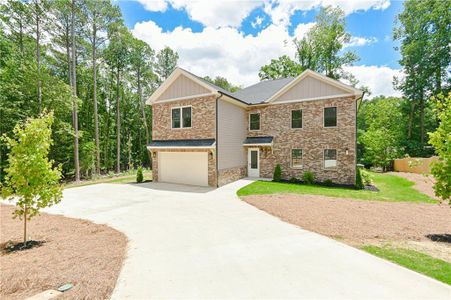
191 242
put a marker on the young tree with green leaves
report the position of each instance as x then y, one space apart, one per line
31 179
441 140
281 67
223 83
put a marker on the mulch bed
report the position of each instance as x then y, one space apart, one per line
75 251
358 220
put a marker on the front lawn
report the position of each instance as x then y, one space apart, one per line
392 188
414 260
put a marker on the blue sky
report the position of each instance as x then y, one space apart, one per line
235 38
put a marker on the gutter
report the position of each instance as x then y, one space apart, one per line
216 138
357 106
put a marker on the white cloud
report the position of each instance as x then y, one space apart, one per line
154 5
358 41
220 51
258 22
238 57
302 29
280 11
378 79
219 13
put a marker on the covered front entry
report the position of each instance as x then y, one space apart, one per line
183 167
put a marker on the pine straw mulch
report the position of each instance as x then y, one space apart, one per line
88 255
359 222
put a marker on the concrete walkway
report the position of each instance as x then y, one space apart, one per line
198 243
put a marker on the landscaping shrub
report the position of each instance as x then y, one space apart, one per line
139 175
358 180
328 182
277 176
308 177
293 180
366 177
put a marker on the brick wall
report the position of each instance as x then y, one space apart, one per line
312 138
203 120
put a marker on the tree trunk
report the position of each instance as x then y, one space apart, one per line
74 94
118 124
25 225
410 124
96 116
38 54
143 112
422 118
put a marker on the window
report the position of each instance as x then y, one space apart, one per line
254 122
330 117
296 118
330 158
296 158
181 117
186 116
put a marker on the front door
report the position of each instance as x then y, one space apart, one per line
253 162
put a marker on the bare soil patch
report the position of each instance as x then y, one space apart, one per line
423 183
80 252
361 222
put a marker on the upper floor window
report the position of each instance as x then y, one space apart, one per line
330 158
181 117
330 117
254 121
296 118
296 158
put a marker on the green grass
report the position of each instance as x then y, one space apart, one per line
414 260
392 188
123 178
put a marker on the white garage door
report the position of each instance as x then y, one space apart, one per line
183 167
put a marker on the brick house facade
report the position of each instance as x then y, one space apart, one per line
217 124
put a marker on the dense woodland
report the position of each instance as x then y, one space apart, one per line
78 59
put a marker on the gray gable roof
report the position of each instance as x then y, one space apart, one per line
261 91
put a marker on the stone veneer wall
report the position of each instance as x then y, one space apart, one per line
312 138
203 119
211 163
232 174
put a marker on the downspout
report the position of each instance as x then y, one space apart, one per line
357 106
216 138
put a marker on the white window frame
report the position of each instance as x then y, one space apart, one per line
181 116
302 119
259 121
324 117
324 159
302 158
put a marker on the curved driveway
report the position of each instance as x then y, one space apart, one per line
198 243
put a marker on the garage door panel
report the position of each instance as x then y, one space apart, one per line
183 167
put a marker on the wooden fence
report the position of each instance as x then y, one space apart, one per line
419 165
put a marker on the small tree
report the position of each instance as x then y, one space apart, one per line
358 180
441 140
277 176
31 180
139 175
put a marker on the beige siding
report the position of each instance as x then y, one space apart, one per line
308 88
232 131
183 87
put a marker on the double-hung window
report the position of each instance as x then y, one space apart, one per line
296 158
330 158
181 117
330 117
254 121
296 118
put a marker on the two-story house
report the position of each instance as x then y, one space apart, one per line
205 135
